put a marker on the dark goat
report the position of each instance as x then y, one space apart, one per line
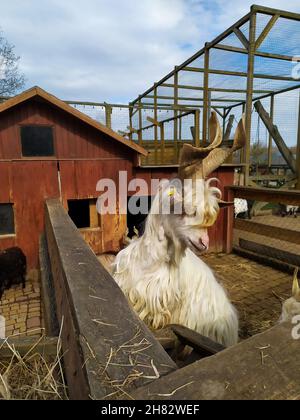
12 268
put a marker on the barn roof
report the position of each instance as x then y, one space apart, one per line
38 92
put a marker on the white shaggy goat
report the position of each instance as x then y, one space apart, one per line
291 307
160 273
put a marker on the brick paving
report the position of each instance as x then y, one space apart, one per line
21 308
256 290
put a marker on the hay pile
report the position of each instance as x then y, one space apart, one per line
33 376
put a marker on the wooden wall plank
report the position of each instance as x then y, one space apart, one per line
265 367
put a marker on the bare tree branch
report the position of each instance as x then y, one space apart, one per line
11 79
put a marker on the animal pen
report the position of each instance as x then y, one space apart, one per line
108 352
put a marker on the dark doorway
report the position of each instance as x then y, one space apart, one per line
79 212
137 221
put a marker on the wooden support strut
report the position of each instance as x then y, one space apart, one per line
274 132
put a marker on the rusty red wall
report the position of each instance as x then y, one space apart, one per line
73 138
83 156
27 185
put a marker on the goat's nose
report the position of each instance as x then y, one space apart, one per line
204 240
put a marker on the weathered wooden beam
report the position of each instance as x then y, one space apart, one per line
271 252
272 177
170 85
269 195
249 97
274 132
269 11
206 104
47 291
269 231
239 50
46 346
240 74
241 37
298 149
104 342
197 129
266 31
265 367
229 128
265 260
204 346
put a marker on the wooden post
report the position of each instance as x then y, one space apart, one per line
108 112
155 116
162 141
228 128
298 152
208 116
140 131
130 109
197 128
224 122
249 100
205 95
176 115
270 137
273 131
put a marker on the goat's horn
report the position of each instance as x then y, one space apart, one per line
191 157
296 288
218 156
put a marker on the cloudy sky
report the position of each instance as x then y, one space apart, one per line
113 49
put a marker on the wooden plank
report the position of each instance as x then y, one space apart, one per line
266 31
241 37
265 260
265 367
268 230
203 345
97 323
257 54
298 150
272 252
269 195
94 216
229 128
46 346
274 132
47 291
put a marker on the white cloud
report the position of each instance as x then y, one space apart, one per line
113 49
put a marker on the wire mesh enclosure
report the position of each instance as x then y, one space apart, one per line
257 59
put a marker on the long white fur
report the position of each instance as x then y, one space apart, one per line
165 282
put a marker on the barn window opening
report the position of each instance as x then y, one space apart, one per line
7 223
37 141
136 219
84 213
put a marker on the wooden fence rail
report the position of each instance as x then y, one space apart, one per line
107 349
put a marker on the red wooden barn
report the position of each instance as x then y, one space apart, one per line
49 149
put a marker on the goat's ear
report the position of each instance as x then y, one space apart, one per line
224 204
